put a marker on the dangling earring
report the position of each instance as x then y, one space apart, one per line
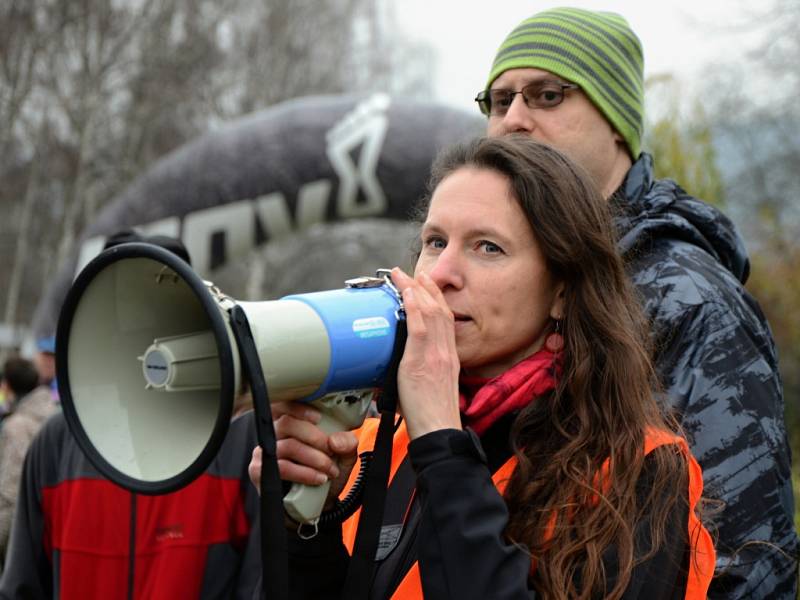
554 342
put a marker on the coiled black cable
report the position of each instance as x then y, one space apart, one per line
344 509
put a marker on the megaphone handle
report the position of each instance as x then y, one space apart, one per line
340 412
304 503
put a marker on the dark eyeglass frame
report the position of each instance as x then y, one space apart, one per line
530 94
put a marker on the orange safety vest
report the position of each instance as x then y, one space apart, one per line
702 558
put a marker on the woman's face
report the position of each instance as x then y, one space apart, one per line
478 247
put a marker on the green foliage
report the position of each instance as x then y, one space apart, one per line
775 282
682 146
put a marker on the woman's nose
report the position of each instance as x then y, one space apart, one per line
447 270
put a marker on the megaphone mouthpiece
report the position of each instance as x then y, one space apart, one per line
182 363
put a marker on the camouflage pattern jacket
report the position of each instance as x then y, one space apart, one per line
715 354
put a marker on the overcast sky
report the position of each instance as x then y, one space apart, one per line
683 37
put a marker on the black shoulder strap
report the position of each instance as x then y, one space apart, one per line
397 550
274 544
398 501
362 561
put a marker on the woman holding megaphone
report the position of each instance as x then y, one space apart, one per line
532 459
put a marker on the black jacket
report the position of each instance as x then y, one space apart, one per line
455 527
717 359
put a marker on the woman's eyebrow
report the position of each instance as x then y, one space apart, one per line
476 232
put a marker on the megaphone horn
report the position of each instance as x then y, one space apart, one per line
148 364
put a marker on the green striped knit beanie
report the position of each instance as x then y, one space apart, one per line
596 50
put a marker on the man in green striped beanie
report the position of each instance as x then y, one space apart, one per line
584 70
573 79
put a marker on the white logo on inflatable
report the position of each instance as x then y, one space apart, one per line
366 126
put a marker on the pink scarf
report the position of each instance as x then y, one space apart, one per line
484 401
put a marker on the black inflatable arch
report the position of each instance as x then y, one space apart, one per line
273 173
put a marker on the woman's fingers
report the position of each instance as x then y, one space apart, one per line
296 473
303 452
426 310
435 293
428 374
429 320
299 463
288 426
254 468
307 455
423 293
304 463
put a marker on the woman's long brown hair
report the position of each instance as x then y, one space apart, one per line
563 507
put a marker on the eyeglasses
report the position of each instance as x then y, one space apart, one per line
539 94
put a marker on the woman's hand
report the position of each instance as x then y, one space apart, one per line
306 454
427 378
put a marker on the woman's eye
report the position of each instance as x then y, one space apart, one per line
436 243
490 247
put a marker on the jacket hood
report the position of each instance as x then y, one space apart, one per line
647 209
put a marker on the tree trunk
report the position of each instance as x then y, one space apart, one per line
77 194
21 250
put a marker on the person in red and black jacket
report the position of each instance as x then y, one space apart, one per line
78 536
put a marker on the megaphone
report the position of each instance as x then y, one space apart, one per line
148 365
